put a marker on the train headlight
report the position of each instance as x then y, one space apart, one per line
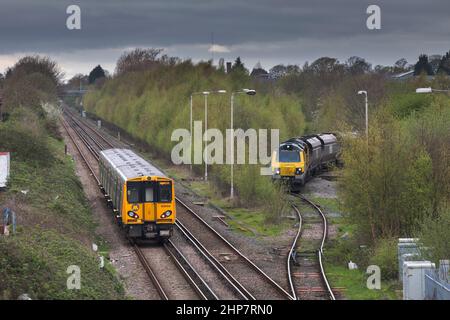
298 171
166 214
133 215
277 170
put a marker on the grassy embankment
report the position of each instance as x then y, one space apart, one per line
55 227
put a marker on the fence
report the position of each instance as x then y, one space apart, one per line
436 288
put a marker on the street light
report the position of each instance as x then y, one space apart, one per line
190 125
364 92
205 94
249 92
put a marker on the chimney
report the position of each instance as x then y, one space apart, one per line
228 67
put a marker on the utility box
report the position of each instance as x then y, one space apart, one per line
407 250
414 279
4 168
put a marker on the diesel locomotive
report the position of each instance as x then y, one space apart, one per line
141 196
298 159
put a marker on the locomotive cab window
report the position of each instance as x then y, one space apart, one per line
133 192
289 156
165 192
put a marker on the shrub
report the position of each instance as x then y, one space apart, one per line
385 256
24 143
436 236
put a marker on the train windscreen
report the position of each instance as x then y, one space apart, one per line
289 156
149 191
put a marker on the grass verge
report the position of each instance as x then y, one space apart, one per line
55 230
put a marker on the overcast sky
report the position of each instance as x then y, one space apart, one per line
269 31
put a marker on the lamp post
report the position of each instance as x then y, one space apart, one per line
190 124
205 94
364 92
249 92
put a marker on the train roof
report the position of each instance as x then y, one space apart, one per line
128 164
313 140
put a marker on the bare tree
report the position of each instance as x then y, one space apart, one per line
138 59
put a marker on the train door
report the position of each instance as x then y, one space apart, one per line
149 200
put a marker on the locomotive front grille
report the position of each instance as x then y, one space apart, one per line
287 171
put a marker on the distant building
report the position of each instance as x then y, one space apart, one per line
259 73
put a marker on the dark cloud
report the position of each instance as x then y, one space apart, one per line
293 30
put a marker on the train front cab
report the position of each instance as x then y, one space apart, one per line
289 164
148 209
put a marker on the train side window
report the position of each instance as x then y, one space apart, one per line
120 198
165 192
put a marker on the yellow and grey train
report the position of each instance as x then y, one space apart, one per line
141 196
298 159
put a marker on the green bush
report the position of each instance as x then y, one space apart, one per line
385 256
435 235
24 143
342 251
35 262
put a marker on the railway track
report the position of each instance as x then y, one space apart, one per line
236 264
199 288
241 273
307 277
